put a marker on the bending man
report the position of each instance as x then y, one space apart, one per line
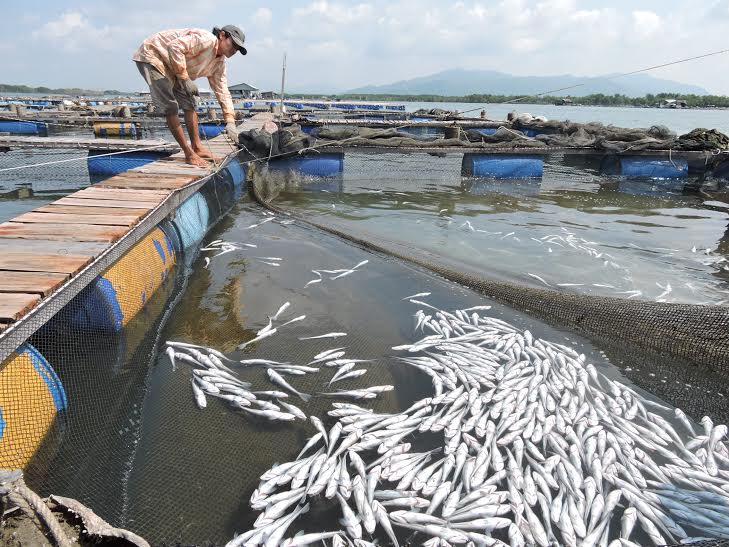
170 60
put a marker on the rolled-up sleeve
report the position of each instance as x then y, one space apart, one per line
189 44
219 84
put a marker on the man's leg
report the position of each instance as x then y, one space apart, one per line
197 145
163 97
191 157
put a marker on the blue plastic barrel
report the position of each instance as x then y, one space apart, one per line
21 128
119 163
654 168
326 164
191 220
237 174
509 166
210 129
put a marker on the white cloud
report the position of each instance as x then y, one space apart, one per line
333 12
72 31
525 44
341 44
646 23
262 16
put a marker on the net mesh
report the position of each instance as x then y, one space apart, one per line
120 430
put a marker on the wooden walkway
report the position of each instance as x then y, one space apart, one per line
42 249
14 142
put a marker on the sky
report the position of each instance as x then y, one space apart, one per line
334 45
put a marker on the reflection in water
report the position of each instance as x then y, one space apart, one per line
573 229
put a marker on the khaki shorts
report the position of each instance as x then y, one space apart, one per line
166 97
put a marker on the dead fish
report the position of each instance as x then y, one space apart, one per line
278 379
418 295
271 414
350 375
296 411
328 335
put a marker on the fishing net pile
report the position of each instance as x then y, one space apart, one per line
617 139
522 442
441 113
514 135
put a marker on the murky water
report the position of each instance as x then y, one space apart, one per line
573 230
136 447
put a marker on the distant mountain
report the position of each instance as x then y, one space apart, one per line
459 82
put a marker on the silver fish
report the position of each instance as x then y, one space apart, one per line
328 335
278 379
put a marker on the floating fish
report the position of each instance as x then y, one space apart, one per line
328 335
276 378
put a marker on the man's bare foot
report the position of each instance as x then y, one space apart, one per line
194 159
207 155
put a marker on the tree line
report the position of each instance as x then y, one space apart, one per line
597 99
9 88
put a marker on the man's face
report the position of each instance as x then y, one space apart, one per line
227 47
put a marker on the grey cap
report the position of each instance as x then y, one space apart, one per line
238 37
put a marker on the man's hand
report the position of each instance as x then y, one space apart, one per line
231 131
189 87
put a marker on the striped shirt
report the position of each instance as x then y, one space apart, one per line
189 53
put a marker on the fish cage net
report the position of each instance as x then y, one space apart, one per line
99 406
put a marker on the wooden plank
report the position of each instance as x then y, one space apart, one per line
169 168
91 211
153 181
138 175
50 262
148 195
111 199
14 305
131 184
42 283
71 232
151 196
66 218
84 249
105 203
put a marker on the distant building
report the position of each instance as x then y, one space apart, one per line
673 103
243 91
563 102
269 95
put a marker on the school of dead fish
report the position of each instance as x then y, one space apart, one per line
522 442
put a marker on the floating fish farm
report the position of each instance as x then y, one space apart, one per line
356 331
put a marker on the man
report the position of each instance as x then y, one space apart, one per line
170 60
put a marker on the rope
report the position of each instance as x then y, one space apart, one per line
83 158
32 504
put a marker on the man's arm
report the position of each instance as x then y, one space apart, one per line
219 84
